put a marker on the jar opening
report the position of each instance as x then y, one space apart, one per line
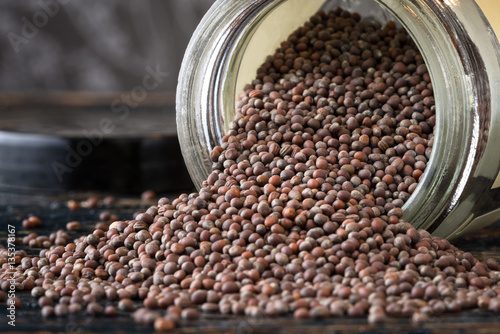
255 42
218 63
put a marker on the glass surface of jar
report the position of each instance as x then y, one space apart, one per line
460 189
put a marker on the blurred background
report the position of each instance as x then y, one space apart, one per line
87 94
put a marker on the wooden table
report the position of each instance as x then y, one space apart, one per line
54 214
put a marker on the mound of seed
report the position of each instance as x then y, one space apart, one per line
302 212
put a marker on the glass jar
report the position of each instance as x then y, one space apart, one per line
460 189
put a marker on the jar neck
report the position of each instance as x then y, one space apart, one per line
458 52
458 47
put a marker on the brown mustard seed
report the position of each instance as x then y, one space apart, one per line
47 311
3 296
16 301
110 311
95 309
163 325
73 226
31 223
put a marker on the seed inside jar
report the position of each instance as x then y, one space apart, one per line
302 212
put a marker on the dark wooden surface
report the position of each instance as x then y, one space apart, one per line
82 148
54 214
